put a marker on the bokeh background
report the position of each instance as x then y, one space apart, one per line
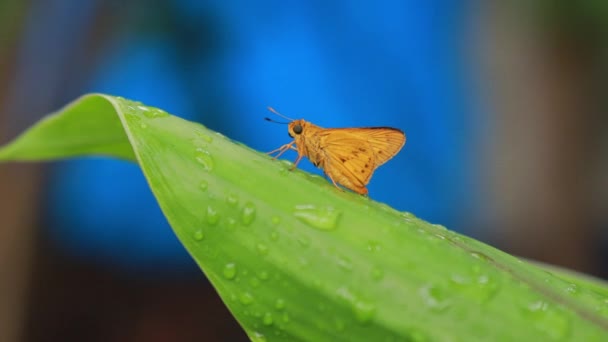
503 103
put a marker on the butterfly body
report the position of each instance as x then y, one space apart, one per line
348 156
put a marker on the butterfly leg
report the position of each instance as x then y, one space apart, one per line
333 181
295 164
282 149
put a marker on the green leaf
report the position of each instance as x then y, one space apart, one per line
294 258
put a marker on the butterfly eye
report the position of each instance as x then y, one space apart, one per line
297 129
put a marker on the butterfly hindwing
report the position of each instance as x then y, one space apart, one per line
357 152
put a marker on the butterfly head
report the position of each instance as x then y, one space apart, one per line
296 127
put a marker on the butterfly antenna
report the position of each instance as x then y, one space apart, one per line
275 121
279 114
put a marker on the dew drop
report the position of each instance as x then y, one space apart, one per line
232 199
254 282
263 275
364 311
549 320
231 223
286 164
204 185
377 274
304 241
285 317
279 304
481 256
248 214
434 298
481 287
267 320
374 246
143 125
408 216
133 118
199 235
322 218
262 248
213 216
276 220
344 263
203 157
440 236
246 298
274 235
440 227
230 271
204 136
152 113
572 289
257 337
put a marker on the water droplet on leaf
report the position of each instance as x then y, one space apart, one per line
276 220
152 112
231 223
267 320
377 273
435 298
248 214
229 271
246 298
374 246
232 199
549 320
199 235
279 304
323 218
254 282
344 263
203 157
212 216
262 248
304 241
257 337
204 136
364 311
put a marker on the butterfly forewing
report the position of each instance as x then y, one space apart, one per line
356 152
353 158
385 142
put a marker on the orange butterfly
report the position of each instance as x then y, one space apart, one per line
348 156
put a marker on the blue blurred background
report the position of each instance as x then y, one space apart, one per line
502 105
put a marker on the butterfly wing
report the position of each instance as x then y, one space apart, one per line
352 154
385 142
